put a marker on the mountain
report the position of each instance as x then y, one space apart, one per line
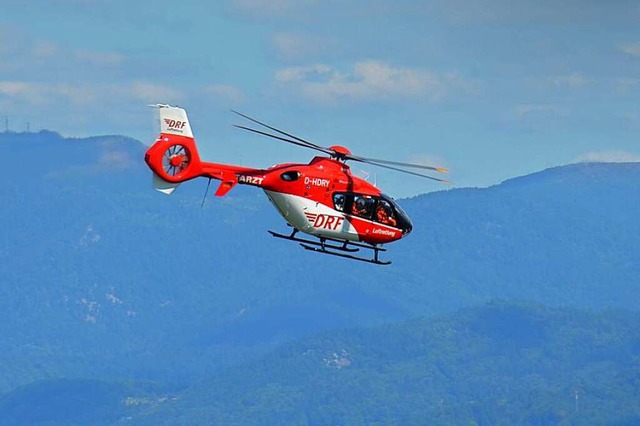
79 402
102 277
567 236
500 364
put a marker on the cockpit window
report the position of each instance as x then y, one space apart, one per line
339 201
363 206
385 214
402 219
381 209
290 176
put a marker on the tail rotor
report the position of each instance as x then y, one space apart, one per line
174 156
176 159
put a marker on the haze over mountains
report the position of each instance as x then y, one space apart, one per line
105 279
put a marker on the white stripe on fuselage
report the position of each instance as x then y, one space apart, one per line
313 217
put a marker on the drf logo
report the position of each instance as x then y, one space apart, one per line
324 221
175 124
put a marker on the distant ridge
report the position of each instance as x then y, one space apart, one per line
502 363
585 171
102 276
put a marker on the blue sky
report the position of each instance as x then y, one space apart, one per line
490 90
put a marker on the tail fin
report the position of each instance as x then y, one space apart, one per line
174 121
174 157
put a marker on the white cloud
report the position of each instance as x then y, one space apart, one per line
461 12
225 93
42 93
258 8
573 80
13 88
632 49
289 45
44 49
626 84
78 94
38 94
151 92
100 58
608 157
300 74
23 56
368 80
33 93
525 110
292 46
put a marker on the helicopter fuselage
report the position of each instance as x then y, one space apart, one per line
322 198
319 199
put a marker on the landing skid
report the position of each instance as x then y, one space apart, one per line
328 246
349 256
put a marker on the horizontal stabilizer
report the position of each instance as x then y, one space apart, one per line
163 186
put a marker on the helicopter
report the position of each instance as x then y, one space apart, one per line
322 199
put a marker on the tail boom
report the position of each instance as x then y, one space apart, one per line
174 157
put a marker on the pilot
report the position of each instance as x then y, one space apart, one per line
384 215
359 207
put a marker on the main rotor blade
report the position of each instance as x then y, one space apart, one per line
408 172
397 163
326 151
386 164
310 144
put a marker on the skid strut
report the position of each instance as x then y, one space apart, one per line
334 247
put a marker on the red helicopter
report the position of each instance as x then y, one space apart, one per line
322 199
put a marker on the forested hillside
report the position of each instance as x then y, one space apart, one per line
103 278
500 364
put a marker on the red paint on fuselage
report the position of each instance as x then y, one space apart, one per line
317 181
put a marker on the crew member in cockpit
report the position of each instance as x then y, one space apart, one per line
359 207
385 215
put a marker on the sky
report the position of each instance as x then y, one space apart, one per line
488 89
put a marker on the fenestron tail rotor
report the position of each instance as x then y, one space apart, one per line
175 160
341 153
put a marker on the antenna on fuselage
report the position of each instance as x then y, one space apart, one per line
367 175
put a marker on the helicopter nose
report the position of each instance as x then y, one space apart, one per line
406 230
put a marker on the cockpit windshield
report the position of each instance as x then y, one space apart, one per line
404 222
381 209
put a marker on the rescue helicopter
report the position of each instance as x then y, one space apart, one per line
341 213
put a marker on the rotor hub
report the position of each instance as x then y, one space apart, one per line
340 151
176 160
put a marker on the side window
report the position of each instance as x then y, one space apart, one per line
363 206
385 214
339 202
290 176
